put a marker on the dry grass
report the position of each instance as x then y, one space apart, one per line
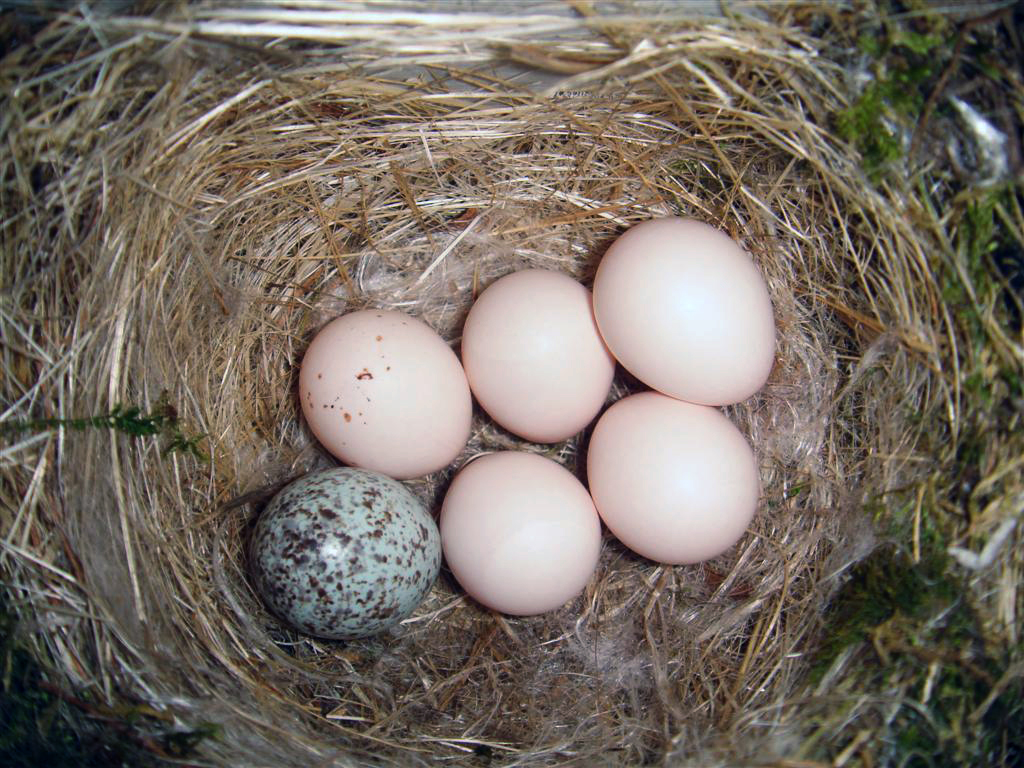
187 197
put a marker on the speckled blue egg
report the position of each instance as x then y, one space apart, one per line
344 553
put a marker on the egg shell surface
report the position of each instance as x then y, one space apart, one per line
520 532
381 390
686 311
534 357
344 553
674 481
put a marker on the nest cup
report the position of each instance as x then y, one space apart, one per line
189 196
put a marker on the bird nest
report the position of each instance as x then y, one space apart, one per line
188 195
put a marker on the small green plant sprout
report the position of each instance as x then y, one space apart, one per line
162 420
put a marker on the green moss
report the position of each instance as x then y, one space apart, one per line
30 727
886 107
884 586
39 728
906 64
982 294
913 630
921 43
943 734
863 124
872 44
34 723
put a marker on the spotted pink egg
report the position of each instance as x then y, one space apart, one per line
381 390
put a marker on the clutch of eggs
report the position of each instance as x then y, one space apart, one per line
676 302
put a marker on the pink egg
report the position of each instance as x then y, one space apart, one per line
534 357
519 533
382 391
674 481
686 311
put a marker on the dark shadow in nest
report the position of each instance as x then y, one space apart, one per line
598 252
